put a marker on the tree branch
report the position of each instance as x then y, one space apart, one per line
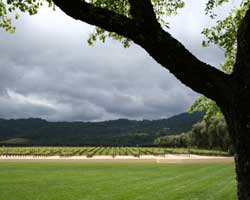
199 76
143 11
108 20
167 51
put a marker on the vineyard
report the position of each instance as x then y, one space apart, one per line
103 151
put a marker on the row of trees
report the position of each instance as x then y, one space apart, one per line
207 134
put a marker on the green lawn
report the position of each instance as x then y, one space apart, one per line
116 181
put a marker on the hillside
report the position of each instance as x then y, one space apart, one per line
121 132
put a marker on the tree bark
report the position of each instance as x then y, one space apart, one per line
242 161
238 112
237 115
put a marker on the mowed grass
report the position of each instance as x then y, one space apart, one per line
116 181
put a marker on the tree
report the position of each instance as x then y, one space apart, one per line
211 133
224 35
141 22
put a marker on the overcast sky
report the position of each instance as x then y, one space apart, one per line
47 70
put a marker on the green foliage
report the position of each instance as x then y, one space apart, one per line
202 103
211 4
224 35
181 140
209 134
163 9
8 8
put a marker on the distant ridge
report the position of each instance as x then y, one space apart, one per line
121 132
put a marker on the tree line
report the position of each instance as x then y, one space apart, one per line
207 134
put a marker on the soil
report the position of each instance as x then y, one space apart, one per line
169 158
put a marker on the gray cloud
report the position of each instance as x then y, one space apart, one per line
47 70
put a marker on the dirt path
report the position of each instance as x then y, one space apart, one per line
122 159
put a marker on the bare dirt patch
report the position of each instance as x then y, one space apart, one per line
169 158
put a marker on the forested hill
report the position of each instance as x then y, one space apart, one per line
121 132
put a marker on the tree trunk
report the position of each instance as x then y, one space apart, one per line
238 119
238 112
242 160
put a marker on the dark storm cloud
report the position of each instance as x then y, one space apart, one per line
47 70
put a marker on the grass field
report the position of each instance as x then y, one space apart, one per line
116 181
